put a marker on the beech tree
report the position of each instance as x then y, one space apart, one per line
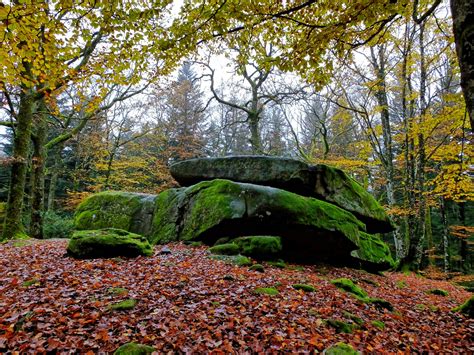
47 46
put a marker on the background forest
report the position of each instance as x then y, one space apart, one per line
390 112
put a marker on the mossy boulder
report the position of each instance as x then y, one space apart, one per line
341 326
310 229
225 249
124 305
349 286
107 243
259 247
467 308
321 181
271 291
113 209
134 349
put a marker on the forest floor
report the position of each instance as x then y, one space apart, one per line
187 302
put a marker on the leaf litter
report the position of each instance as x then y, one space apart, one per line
188 302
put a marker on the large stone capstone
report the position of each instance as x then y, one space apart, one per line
321 181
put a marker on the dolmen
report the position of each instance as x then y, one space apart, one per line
318 212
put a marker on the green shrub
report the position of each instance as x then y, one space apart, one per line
57 226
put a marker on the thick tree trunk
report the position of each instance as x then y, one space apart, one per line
13 226
463 28
53 181
39 161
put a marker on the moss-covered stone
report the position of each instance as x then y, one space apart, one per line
134 349
259 247
353 317
439 292
266 291
304 287
374 253
124 305
349 286
257 267
109 209
280 264
167 216
239 260
340 349
342 327
107 243
225 249
379 324
379 302
321 181
467 308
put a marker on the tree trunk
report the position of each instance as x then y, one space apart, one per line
254 133
55 169
463 29
387 154
38 166
444 223
13 227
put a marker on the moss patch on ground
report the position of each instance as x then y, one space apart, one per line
340 349
124 305
349 286
271 291
304 287
134 349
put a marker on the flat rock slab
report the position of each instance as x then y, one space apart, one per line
321 181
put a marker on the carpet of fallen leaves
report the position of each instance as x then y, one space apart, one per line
190 303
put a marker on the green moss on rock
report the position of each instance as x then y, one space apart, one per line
379 324
109 209
257 267
239 260
280 264
225 249
259 247
467 308
340 349
353 317
124 305
266 291
304 287
107 243
439 292
342 327
349 286
134 349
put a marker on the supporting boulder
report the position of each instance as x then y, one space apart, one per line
321 181
113 209
310 229
107 243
